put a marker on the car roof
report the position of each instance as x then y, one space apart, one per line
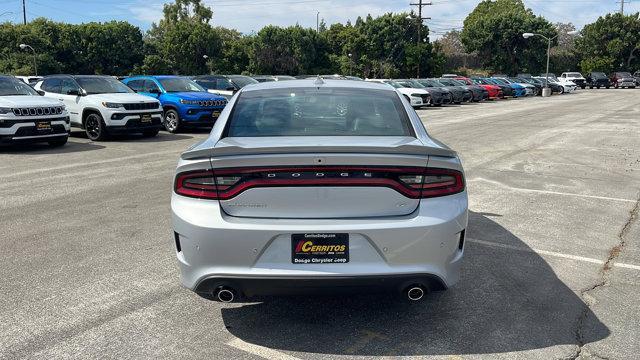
306 83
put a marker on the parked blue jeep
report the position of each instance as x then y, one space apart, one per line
185 103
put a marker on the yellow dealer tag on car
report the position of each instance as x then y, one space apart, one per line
43 125
215 114
146 118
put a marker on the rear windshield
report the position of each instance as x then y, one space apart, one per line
318 112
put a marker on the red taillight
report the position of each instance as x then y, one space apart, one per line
224 184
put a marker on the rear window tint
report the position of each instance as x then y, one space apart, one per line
318 112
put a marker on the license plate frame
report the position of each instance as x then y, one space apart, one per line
146 118
320 248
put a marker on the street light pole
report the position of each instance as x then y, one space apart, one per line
545 91
35 61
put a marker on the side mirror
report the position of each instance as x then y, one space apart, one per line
231 88
40 92
154 91
75 92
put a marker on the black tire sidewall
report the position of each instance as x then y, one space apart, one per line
101 126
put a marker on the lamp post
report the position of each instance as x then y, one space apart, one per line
35 61
546 91
350 64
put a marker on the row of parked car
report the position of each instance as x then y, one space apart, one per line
36 109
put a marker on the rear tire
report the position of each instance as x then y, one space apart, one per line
171 121
94 127
58 142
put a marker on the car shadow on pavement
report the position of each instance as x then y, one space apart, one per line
506 301
161 137
44 148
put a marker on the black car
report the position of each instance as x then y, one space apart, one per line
597 80
555 88
438 96
478 93
447 95
460 93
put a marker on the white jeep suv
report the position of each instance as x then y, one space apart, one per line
102 105
27 117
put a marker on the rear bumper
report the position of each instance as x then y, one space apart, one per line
255 254
252 286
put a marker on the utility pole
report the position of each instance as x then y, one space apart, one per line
622 6
421 4
24 12
318 21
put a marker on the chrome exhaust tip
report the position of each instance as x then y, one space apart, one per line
225 295
415 293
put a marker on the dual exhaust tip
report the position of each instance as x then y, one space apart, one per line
413 293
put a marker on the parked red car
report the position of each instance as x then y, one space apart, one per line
494 91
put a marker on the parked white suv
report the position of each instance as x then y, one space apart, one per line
102 105
27 117
416 97
576 78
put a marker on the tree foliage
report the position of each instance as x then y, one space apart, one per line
611 43
494 29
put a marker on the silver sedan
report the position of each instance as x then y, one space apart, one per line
318 186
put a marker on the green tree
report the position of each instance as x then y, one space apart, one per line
610 43
292 50
494 29
184 39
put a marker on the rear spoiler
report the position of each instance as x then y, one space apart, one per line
286 145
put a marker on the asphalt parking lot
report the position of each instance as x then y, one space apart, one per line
552 266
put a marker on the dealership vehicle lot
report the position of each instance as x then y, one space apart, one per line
552 262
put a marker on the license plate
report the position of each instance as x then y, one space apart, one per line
319 248
146 118
43 125
215 114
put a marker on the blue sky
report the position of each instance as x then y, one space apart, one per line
251 15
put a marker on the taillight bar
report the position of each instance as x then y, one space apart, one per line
412 182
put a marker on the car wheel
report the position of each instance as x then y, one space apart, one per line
607 87
615 86
582 87
562 90
591 87
58 142
171 121
150 133
94 127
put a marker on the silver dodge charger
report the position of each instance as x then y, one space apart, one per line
318 186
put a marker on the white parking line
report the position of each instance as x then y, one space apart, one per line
550 192
549 253
260 351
